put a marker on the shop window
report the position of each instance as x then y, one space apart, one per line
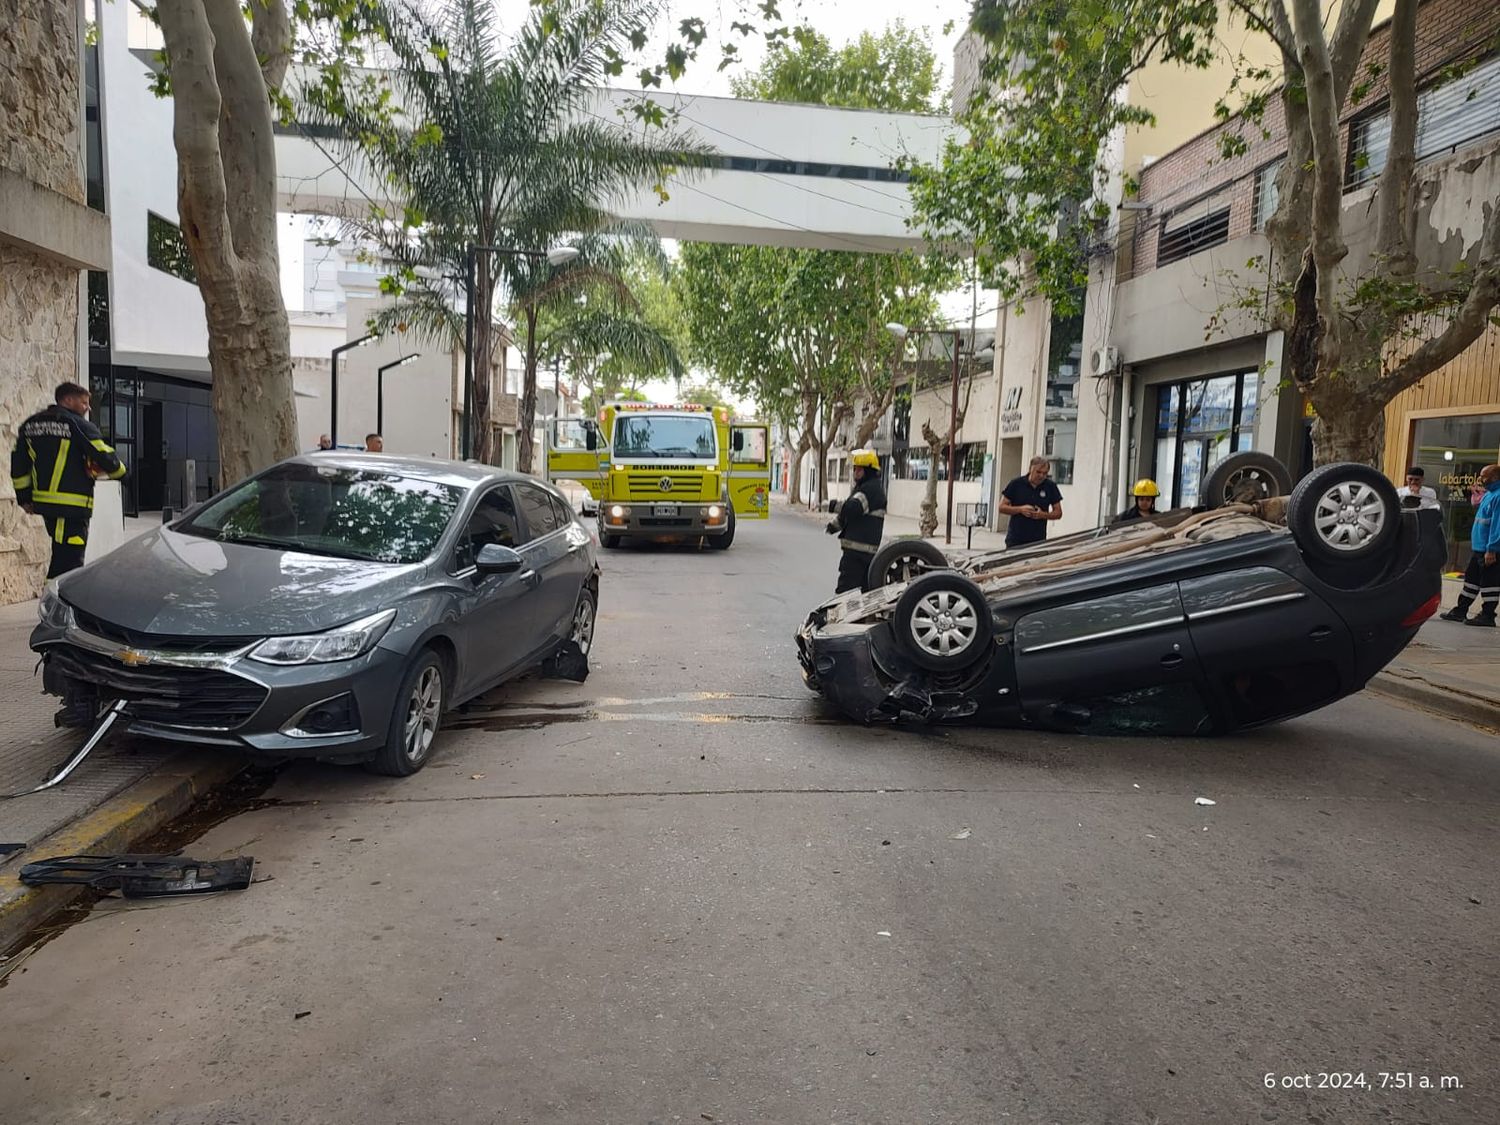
1452 450
1449 115
1189 238
167 250
1060 414
1197 423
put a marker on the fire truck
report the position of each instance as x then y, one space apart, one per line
666 471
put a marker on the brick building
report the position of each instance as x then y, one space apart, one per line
1186 373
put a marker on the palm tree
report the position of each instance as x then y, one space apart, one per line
491 141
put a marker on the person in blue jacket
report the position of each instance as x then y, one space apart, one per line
1482 577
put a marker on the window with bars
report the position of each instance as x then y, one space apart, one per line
1449 115
1191 237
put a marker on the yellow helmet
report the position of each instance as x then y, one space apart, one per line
1145 487
864 459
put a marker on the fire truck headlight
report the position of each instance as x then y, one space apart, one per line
616 512
715 513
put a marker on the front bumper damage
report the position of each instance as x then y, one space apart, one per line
859 669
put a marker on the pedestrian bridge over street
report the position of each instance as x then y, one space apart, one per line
782 174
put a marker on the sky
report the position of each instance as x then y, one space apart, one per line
840 20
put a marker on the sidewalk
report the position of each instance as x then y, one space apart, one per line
1450 669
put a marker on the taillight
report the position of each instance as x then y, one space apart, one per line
1422 612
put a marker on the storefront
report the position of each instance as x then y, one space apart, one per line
1452 450
1198 421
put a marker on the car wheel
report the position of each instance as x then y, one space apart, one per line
1243 478
606 540
904 560
585 616
1344 513
415 719
943 622
721 542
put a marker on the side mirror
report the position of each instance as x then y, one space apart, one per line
495 559
737 443
591 439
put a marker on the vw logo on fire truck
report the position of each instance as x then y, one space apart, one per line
665 484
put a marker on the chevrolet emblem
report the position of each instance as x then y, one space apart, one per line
133 658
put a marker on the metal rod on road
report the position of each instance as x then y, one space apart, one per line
114 712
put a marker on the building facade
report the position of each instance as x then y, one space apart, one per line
50 236
1182 373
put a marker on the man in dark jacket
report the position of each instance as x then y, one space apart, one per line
860 522
57 457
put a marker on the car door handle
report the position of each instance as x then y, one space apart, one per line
1172 660
531 578
1321 633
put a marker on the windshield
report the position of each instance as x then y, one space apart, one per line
321 510
665 436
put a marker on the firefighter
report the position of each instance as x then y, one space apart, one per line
860 521
58 455
1145 493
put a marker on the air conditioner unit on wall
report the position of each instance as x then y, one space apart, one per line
1106 361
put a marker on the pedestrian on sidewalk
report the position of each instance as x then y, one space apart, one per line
58 455
1030 501
1482 576
1415 486
860 522
374 443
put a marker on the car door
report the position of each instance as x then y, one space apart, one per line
488 640
1123 662
750 472
574 452
556 549
1269 646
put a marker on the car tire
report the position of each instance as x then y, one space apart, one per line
415 719
1344 513
1244 477
943 622
722 542
608 541
585 618
904 560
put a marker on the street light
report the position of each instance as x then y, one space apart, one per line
333 404
380 388
557 256
901 332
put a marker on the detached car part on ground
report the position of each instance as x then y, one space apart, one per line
332 607
1251 609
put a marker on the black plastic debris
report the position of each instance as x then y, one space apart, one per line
143 876
569 663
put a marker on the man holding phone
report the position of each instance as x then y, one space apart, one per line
1030 501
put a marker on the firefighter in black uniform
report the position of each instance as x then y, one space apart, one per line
860 521
58 455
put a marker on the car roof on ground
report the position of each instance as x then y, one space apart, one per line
464 474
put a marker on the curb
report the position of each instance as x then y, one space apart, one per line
1448 702
114 827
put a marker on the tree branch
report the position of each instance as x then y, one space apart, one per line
1348 44
202 197
1273 24
246 143
1468 323
271 35
1396 229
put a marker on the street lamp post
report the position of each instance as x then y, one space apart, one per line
555 257
900 331
380 388
333 403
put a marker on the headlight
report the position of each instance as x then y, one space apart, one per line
617 512
344 643
52 611
714 511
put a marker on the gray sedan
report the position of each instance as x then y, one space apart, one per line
334 607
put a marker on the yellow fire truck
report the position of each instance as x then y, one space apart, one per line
679 471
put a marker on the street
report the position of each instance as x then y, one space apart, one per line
685 892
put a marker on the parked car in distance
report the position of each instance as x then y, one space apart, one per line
333 606
1255 608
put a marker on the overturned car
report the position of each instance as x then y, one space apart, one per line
1255 607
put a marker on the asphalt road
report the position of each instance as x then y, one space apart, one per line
684 893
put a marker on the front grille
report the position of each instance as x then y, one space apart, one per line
664 522
647 486
201 698
162 642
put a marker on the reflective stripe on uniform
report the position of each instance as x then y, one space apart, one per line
76 541
63 499
20 484
57 531
59 465
862 500
879 512
854 545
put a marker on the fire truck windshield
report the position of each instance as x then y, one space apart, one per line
665 436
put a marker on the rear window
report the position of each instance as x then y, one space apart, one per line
324 510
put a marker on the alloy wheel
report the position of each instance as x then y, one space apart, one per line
944 623
1349 515
904 568
583 626
424 710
